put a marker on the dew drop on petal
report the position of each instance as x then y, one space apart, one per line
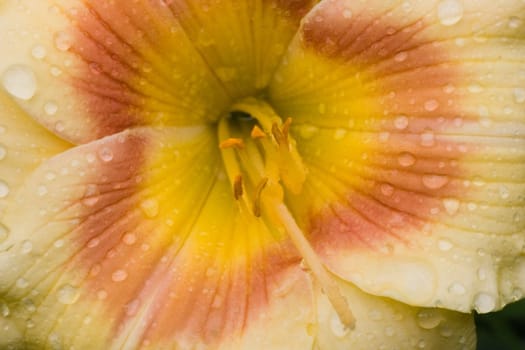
119 275
387 189
150 207
105 154
434 182
22 283
401 56
451 205
431 105
20 82
67 294
38 52
444 245
129 239
484 302
4 232
401 122
519 95
450 12
26 247
337 327
457 289
50 108
428 318
515 22
406 159
3 152
63 41
428 139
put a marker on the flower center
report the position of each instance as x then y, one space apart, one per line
260 157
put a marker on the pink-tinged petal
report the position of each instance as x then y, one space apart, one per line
410 119
23 146
86 69
138 243
383 323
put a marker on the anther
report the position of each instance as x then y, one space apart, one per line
232 142
257 199
286 129
278 135
257 133
237 187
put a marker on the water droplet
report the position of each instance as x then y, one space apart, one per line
347 13
504 192
519 95
3 152
67 294
22 283
38 52
401 122
63 41
400 57
129 238
337 327
457 289
150 207
4 309
41 190
26 247
105 154
428 318
4 189
133 307
482 274
387 189
4 232
451 205
515 22
19 81
421 344
484 302
50 108
475 88
102 294
119 275
406 159
428 139
339 134
434 182
308 131
450 12
92 243
431 105
444 245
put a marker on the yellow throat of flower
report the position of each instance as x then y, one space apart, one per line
260 156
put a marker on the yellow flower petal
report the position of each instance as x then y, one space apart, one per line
409 118
23 146
387 324
243 41
138 242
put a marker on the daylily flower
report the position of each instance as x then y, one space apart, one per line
277 174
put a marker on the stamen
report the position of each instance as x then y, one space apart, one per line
257 199
232 142
257 133
286 129
237 187
311 259
278 135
